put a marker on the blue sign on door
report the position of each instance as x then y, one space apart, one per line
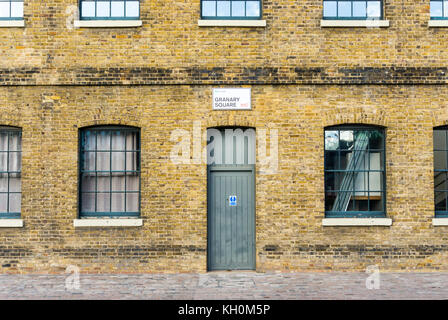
232 201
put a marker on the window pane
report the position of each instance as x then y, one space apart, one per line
89 140
88 183
344 9
17 9
118 202
103 202
333 181
223 8
436 8
3 182
14 202
15 141
132 202
4 9
331 140
359 9
132 183
238 8
346 140
440 160
118 140
131 161
330 9
103 141
331 160
208 8
440 181
375 181
3 202
329 200
88 202
15 182
118 183
88 9
88 161
252 9
117 9
103 184
344 160
445 9
103 9
3 141
440 201
118 161
132 9
361 183
15 161
439 139
374 9
103 161
3 161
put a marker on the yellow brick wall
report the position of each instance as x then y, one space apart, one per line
289 203
56 79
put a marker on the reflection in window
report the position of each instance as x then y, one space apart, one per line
231 9
11 9
354 171
110 9
438 9
110 172
10 172
441 171
354 9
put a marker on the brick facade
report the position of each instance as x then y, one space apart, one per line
56 79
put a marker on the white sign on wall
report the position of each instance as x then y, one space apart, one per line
231 99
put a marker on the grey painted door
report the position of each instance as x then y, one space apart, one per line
231 217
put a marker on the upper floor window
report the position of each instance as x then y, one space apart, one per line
110 171
231 9
441 171
109 9
354 171
354 9
10 172
11 9
438 9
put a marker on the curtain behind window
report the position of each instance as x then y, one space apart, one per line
10 171
110 162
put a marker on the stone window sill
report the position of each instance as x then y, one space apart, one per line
356 222
79 223
107 23
232 23
439 222
354 23
12 23
11 223
438 23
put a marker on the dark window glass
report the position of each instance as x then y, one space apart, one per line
354 171
110 172
441 171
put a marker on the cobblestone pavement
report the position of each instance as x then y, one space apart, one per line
225 285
